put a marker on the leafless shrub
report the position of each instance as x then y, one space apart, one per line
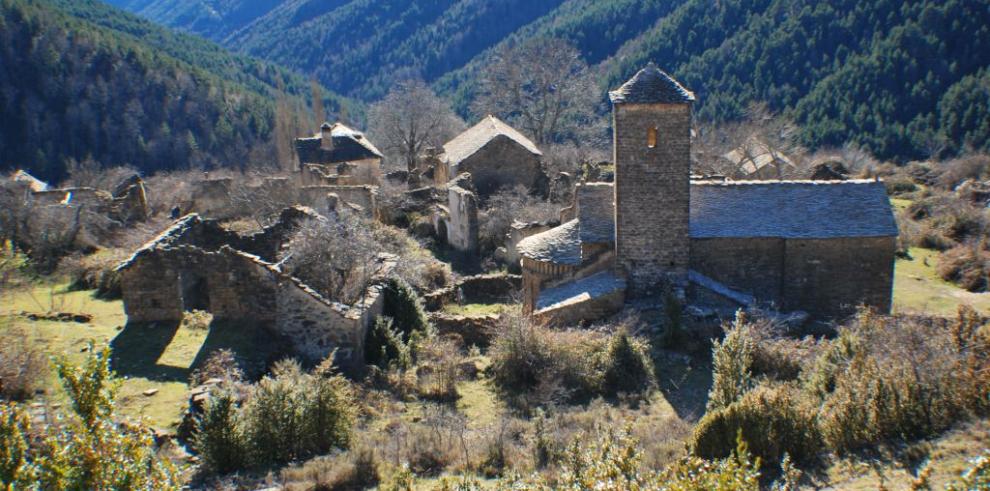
261 198
568 157
221 364
355 470
90 174
335 256
945 221
967 265
23 367
505 206
438 362
953 172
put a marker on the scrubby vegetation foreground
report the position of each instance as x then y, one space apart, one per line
579 411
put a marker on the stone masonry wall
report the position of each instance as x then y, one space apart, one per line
652 193
500 163
829 278
316 328
752 265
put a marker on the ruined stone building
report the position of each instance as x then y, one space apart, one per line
339 155
496 156
196 264
822 247
758 160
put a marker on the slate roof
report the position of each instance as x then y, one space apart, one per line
791 209
572 292
560 245
348 145
475 138
651 85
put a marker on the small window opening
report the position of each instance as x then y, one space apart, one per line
651 138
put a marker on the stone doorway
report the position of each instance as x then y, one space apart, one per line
195 292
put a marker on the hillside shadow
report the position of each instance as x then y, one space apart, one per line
137 349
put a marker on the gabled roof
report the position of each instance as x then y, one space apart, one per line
475 138
791 209
348 145
754 155
651 85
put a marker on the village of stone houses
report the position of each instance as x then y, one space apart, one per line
400 295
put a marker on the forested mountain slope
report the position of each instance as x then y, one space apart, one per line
81 79
902 79
212 19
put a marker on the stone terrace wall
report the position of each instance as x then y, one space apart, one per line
484 288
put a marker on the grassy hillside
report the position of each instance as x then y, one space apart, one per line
84 80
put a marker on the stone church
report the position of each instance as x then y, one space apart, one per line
821 247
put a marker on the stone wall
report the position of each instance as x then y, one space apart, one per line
596 215
462 227
316 327
365 197
753 265
829 278
161 284
652 193
500 163
194 266
483 288
571 314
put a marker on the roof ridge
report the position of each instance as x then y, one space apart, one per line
812 182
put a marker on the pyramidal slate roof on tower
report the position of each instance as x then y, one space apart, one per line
651 85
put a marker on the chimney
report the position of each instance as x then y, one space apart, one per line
326 139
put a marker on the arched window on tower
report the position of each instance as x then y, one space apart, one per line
651 137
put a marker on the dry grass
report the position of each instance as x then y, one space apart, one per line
919 289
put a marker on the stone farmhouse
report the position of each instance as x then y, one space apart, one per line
339 155
495 154
822 247
196 264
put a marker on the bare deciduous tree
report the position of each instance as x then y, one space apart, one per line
542 87
410 119
335 256
506 206
762 136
